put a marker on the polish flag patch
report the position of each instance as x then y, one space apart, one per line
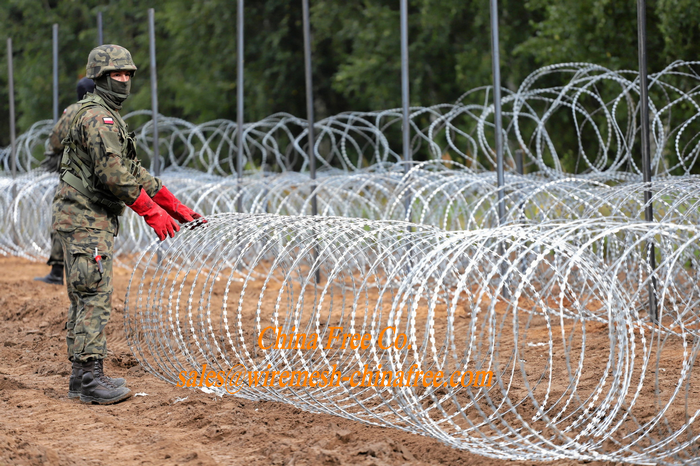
108 120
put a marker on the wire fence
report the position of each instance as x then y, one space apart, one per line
558 318
552 299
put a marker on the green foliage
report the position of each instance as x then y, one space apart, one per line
595 31
355 46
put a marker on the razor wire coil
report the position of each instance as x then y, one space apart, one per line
207 296
541 297
602 105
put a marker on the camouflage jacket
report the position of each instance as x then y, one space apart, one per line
109 157
52 162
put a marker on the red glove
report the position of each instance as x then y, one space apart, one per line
175 208
157 218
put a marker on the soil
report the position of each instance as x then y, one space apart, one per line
161 424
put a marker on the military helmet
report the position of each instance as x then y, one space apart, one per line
107 58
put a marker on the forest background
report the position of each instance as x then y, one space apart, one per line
356 50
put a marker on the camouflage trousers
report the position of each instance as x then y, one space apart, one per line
90 291
56 256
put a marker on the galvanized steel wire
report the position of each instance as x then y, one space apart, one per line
560 319
553 298
601 104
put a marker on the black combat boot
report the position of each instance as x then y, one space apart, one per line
55 277
97 388
76 380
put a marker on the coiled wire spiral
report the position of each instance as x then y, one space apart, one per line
555 310
552 298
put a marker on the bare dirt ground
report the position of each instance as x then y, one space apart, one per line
40 425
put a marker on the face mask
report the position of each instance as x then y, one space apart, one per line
114 92
120 88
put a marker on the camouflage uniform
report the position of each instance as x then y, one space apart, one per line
89 221
90 291
52 163
56 254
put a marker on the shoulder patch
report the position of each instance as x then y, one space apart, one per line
65 110
108 120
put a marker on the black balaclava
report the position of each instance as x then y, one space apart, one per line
85 85
114 93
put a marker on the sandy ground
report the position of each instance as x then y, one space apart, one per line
40 425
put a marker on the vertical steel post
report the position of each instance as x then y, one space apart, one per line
309 101
497 109
11 86
520 169
99 28
55 73
646 149
239 116
406 128
155 163
498 127
310 114
404 84
13 142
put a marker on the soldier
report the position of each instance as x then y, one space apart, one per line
100 175
52 163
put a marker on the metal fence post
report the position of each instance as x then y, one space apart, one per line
11 86
155 163
405 93
498 127
239 117
309 101
310 115
100 40
55 73
646 150
497 109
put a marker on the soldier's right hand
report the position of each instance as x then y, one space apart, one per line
177 209
154 215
